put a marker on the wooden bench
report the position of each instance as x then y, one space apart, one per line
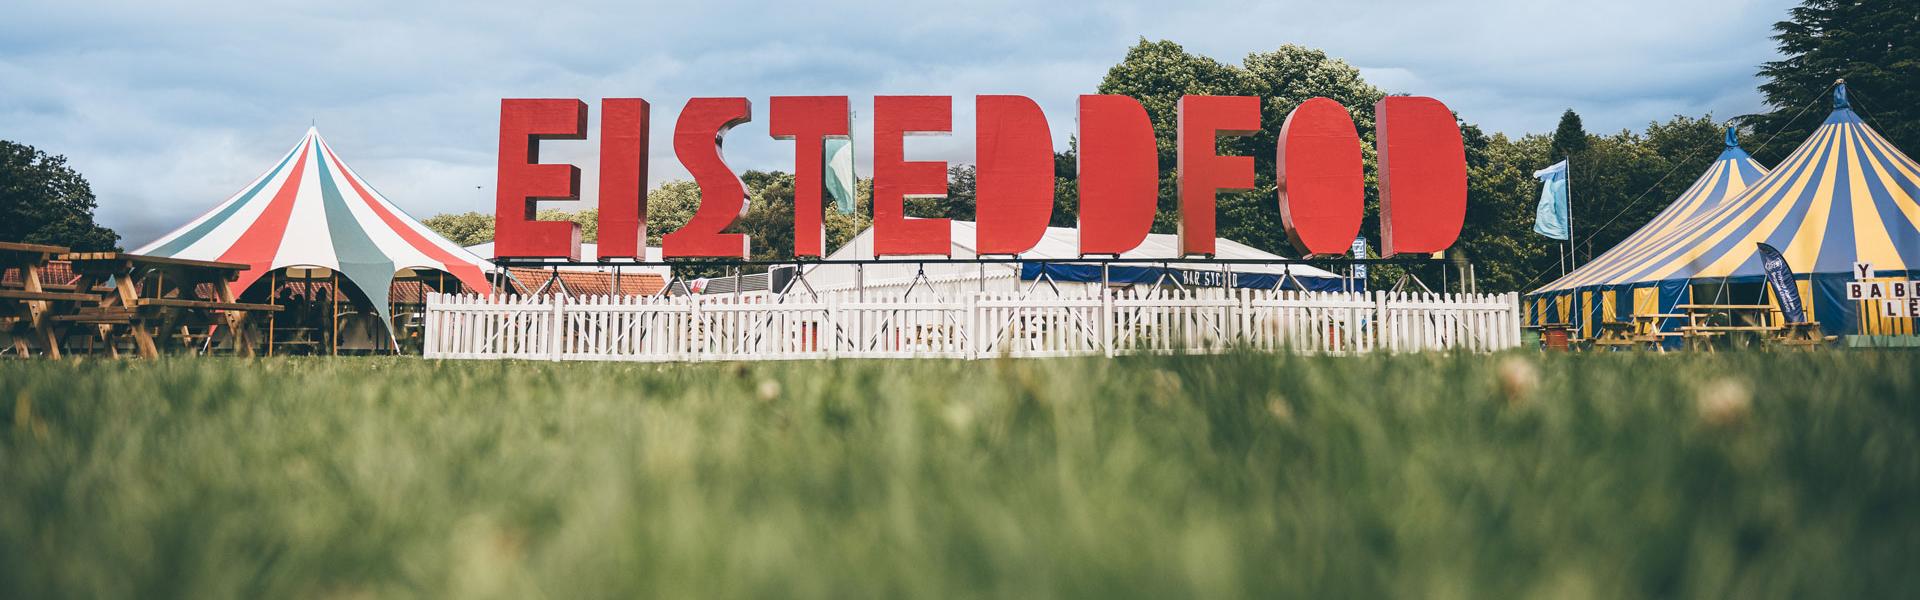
11 294
208 305
1615 334
1801 336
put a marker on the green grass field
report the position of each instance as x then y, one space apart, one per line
1416 476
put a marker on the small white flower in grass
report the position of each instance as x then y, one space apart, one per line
1723 402
1518 379
959 416
769 390
1278 407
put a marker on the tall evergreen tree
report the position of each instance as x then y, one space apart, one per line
1570 138
1870 43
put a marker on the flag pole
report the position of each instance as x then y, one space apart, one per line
1573 256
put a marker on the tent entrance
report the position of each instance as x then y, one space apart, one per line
326 313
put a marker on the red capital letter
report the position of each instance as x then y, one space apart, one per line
623 178
1321 178
895 179
1423 175
1014 185
1202 119
808 120
1118 173
523 183
723 198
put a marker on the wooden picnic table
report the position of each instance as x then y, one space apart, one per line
1700 335
159 296
28 309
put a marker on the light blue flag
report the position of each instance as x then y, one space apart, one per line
1550 218
839 177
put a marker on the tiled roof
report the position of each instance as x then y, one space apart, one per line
578 283
57 272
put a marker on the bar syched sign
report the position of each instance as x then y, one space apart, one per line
1321 195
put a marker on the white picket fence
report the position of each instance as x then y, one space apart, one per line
978 325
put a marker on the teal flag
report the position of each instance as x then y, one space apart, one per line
839 176
1550 218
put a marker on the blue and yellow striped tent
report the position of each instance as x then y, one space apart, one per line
1844 195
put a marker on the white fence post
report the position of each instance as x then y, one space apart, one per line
1106 320
556 326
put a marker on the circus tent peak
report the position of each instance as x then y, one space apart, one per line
312 210
1725 178
1845 195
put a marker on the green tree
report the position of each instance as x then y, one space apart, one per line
43 201
469 228
1870 43
1498 234
465 229
1619 183
1066 186
1159 73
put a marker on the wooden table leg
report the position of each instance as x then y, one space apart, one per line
40 313
143 341
53 340
105 334
236 320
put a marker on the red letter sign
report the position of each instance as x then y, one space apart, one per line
895 179
1202 119
1118 172
723 198
1321 178
1014 185
522 183
808 120
623 178
1423 175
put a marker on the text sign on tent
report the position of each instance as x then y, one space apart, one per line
1897 299
1422 178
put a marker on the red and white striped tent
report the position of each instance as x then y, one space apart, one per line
313 211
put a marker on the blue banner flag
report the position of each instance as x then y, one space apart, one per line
1780 276
1550 217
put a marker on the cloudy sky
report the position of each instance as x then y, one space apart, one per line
170 107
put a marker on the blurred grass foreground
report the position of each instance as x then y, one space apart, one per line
1243 475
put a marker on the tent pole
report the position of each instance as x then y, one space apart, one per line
333 306
273 293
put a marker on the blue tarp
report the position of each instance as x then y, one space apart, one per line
1187 277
